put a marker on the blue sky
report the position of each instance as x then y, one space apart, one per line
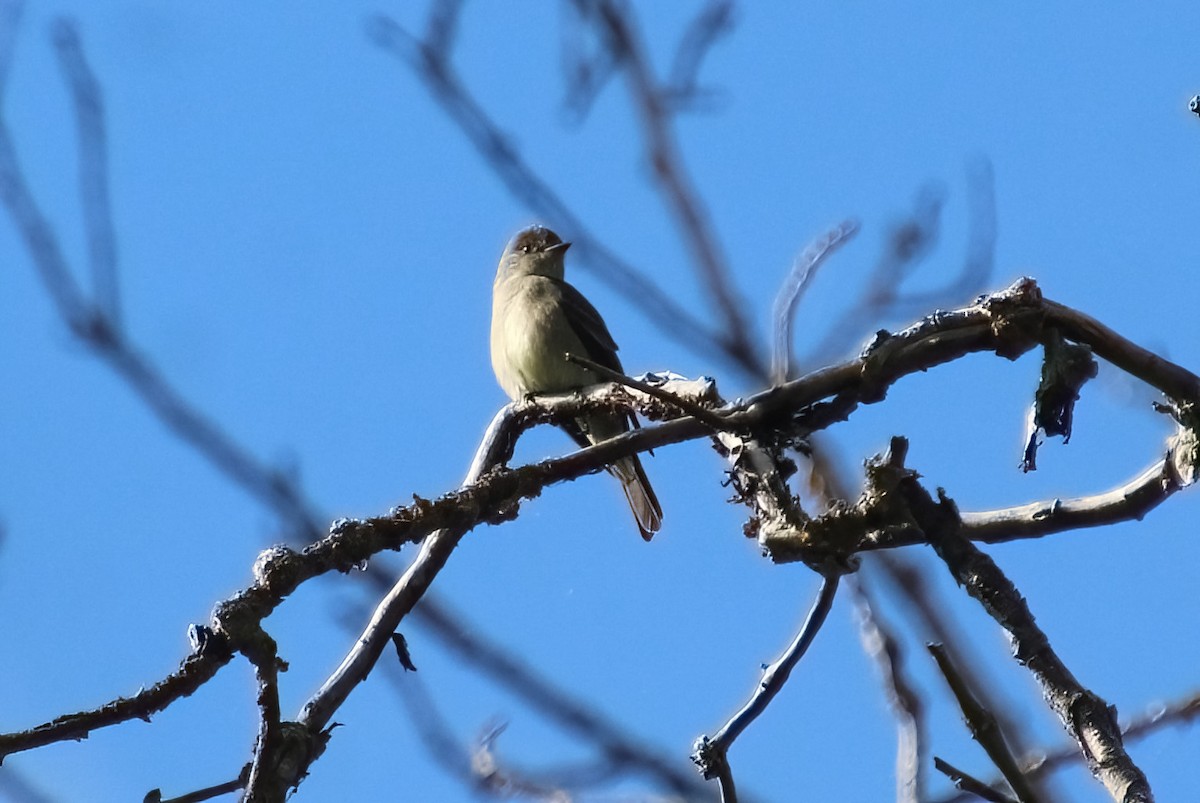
306 249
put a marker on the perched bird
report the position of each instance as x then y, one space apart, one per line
536 319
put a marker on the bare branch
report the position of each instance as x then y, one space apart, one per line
1128 502
711 754
1180 712
984 728
687 406
1086 717
911 580
264 784
193 672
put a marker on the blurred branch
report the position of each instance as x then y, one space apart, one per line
93 168
432 65
616 27
783 315
710 24
711 753
11 12
542 693
882 646
92 320
16 788
984 728
910 242
479 766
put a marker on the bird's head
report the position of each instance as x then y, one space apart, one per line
533 251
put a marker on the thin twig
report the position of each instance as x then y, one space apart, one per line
776 675
983 727
911 580
970 784
711 754
689 407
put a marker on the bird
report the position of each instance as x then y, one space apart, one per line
537 318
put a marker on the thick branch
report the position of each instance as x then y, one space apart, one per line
1086 717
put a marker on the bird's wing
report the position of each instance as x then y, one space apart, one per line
588 326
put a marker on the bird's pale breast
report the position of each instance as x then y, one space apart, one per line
530 335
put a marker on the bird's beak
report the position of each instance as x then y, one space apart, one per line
560 247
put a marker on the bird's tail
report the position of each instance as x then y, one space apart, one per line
642 500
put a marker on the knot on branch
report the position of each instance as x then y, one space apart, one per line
1017 314
881 515
294 749
875 356
276 568
1184 445
709 757
349 544
758 473
506 508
